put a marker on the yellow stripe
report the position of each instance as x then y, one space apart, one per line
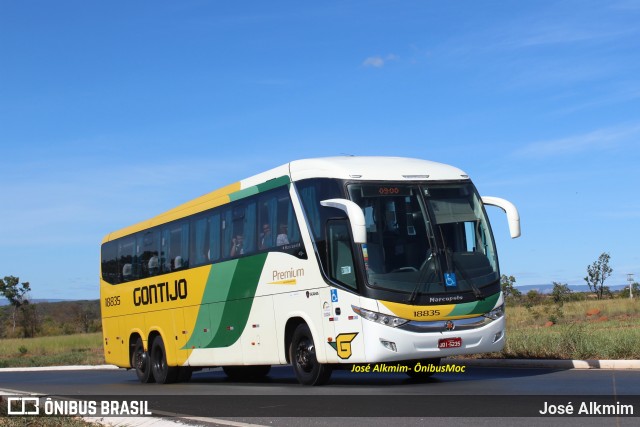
424 313
208 201
284 282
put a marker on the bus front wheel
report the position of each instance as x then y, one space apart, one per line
162 372
302 353
140 362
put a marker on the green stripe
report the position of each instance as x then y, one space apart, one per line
243 193
476 307
227 302
265 186
274 183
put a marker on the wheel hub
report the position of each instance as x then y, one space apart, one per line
141 360
305 355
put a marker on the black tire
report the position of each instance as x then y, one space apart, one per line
162 372
302 354
422 374
141 363
246 373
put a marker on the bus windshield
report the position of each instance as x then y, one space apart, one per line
426 239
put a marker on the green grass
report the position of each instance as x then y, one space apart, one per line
577 333
79 349
612 333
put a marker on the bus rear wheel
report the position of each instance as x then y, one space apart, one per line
302 353
246 373
140 362
162 372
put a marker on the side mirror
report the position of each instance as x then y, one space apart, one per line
513 217
355 215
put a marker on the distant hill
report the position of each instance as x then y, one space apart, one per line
542 288
547 288
4 301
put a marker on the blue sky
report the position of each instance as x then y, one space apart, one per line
112 112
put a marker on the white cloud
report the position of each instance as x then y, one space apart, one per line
379 61
598 140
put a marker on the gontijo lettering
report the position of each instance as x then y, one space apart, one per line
160 292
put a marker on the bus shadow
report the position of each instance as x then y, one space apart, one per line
284 375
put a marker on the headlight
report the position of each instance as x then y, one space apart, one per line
496 313
383 319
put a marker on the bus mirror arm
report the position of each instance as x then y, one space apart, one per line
513 217
355 214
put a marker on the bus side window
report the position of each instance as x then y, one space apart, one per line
147 247
175 247
226 231
126 259
267 221
250 220
110 263
339 253
200 248
214 237
278 226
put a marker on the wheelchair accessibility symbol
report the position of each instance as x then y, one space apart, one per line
450 280
334 295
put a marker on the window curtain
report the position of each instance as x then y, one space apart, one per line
227 230
214 245
200 244
184 247
250 219
294 231
272 211
310 202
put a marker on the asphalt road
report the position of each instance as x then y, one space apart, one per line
477 395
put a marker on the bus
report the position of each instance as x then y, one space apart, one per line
320 263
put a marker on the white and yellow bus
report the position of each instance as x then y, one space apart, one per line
317 263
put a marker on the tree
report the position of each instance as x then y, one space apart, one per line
16 293
532 298
636 291
83 316
560 293
597 274
508 288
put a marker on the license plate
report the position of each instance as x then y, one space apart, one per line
450 342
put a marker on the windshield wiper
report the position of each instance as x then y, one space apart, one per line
476 291
422 277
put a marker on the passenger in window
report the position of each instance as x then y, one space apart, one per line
266 238
154 266
237 245
127 271
178 263
282 238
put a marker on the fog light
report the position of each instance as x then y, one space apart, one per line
498 336
389 345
